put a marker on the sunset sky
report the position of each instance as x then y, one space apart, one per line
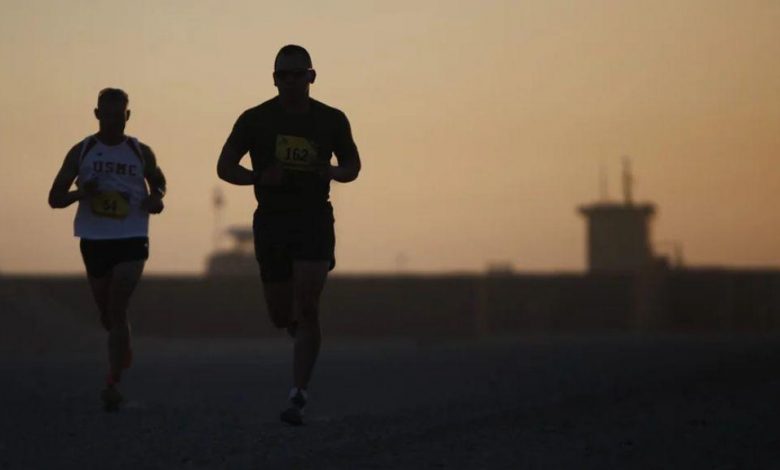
482 125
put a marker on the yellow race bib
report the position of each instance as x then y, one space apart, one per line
111 204
296 153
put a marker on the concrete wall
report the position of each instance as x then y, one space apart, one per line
430 306
723 300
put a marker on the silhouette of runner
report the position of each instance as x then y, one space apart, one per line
111 171
290 139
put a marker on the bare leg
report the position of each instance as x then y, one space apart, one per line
100 287
308 281
124 278
279 299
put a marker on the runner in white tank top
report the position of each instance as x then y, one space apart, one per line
117 171
118 185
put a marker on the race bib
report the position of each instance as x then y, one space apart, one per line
111 204
296 153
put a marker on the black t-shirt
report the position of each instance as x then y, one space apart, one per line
302 144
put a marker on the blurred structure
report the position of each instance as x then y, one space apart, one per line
238 259
500 268
217 204
618 237
618 234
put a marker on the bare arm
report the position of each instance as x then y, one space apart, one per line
156 181
152 172
347 157
230 170
348 166
60 194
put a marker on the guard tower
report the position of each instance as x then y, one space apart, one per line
619 234
239 260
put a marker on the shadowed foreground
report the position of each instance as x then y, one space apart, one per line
565 402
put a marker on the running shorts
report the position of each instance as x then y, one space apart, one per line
100 256
284 237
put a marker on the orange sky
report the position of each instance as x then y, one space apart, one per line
481 125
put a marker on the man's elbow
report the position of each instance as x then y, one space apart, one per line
222 171
53 199
226 170
55 202
355 172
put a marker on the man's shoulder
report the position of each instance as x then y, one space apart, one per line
82 146
134 140
328 111
75 148
325 108
260 111
138 144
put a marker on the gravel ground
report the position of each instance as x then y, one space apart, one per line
601 402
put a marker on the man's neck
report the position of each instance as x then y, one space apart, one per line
110 138
295 104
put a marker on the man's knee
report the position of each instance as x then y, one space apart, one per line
120 330
125 277
309 311
307 298
308 326
123 286
280 310
280 317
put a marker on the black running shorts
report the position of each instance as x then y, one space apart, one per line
100 256
281 238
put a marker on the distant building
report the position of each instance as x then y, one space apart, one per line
618 234
239 259
500 268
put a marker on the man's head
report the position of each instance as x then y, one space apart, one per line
112 110
293 72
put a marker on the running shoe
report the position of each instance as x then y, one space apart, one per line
111 398
294 414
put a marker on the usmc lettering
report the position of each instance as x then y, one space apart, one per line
115 168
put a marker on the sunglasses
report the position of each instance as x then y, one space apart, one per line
296 74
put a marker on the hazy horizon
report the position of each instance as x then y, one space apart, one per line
482 126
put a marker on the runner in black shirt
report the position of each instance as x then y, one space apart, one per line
290 140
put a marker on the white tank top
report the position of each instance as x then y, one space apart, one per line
119 171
